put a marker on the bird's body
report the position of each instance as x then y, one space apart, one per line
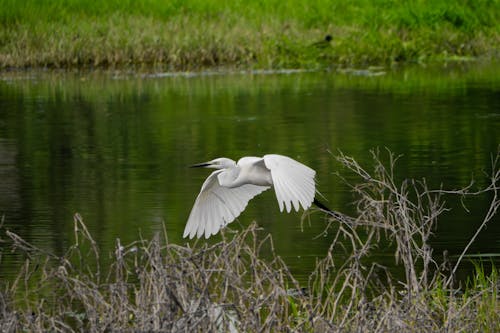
226 192
322 44
248 170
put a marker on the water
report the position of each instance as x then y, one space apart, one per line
115 148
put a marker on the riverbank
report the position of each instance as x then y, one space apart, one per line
195 35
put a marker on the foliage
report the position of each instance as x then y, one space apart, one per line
194 34
157 286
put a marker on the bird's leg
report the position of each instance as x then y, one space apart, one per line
327 210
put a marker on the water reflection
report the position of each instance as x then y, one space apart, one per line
117 150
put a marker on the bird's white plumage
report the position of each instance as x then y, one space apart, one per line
217 206
226 192
293 182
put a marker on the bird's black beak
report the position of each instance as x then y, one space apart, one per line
200 165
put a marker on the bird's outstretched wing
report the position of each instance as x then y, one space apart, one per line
216 206
293 182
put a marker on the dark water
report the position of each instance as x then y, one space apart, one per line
115 148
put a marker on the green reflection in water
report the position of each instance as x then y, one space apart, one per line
115 148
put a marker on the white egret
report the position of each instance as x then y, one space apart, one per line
226 192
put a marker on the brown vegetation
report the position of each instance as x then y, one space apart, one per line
240 285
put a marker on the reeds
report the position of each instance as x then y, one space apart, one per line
193 35
240 285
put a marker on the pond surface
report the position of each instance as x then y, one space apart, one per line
115 148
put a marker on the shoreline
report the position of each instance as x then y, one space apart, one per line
356 71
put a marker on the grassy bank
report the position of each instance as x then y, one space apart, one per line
240 285
195 34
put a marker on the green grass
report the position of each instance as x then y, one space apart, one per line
195 34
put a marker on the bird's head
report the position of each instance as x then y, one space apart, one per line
218 163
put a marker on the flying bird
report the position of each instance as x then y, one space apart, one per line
226 192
